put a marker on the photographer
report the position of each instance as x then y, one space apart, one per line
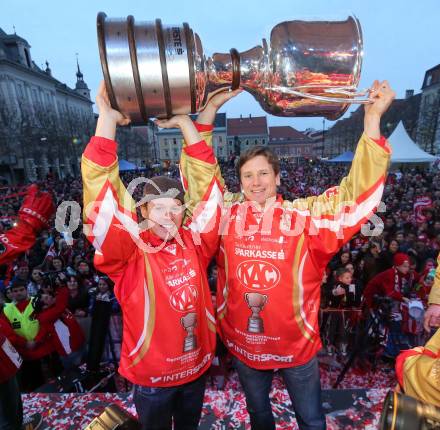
103 304
392 283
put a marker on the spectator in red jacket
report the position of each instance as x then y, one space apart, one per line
66 334
395 284
392 282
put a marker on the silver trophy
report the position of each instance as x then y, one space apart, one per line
189 322
309 68
256 302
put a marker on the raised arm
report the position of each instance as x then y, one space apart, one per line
33 216
110 220
201 174
336 215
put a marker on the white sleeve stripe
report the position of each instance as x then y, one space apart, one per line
215 200
107 210
350 219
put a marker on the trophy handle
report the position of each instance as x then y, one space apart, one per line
346 91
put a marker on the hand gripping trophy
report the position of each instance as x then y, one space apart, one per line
256 303
307 68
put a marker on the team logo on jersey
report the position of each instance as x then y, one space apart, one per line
332 192
184 299
257 274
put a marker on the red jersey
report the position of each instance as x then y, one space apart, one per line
271 264
162 287
10 360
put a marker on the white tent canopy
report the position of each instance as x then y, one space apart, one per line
405 150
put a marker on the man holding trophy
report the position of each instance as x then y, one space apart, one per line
295 254
159 266
272 252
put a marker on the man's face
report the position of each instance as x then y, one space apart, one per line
165 216
346 278
258 180
47 299
394 246
57 264
23 272
36 275
404 268
83 268
19 294
389 222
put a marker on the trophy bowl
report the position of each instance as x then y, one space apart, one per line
307 68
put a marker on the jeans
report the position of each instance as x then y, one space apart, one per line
303 385
11 407
158 407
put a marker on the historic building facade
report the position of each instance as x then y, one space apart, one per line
169 141
428 124
245 132
288 142
44 124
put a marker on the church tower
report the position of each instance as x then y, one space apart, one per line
81 87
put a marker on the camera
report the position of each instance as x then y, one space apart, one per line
383 306
401 412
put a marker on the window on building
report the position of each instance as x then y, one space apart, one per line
263 141
167 153
176 153
220 139
429 80
165 141
28 58
174 141
247 142
20 91
231 142
34 96
256 141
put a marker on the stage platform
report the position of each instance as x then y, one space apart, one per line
357 405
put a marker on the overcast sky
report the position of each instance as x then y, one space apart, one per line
401 38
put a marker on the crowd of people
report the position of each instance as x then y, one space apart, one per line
65 312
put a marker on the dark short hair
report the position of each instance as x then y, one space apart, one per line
271 158
341 271
18 283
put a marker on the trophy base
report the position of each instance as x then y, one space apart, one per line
190 343
255 325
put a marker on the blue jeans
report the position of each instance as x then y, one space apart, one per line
11 407
158 407
303 385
